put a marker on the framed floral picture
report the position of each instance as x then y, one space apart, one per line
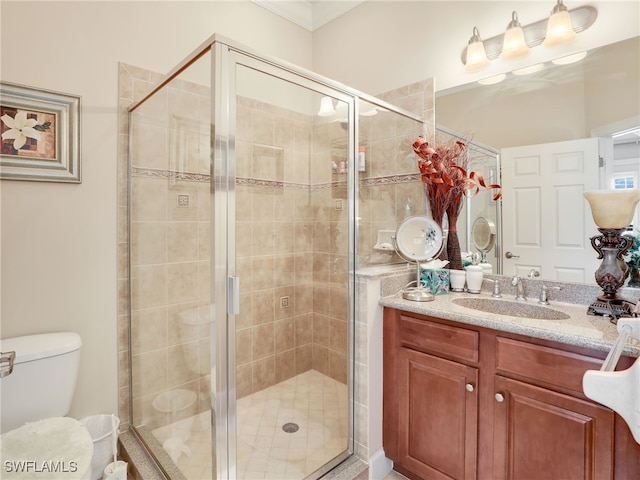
40 134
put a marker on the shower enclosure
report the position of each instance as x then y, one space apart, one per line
249 215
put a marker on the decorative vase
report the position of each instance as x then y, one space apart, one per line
612 272
453 244
612 212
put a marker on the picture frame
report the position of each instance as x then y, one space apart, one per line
40 134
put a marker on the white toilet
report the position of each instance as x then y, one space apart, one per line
34 398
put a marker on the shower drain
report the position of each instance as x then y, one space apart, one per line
290 427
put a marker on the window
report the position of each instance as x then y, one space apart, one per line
628 181
625 181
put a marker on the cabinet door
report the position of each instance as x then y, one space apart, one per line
539 433
438 411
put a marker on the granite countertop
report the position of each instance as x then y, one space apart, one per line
579 329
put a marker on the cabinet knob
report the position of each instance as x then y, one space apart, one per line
469 387
499 398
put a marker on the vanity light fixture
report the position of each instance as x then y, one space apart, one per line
478 54
326 107
514 45
559 27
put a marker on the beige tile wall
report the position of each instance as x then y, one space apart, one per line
391 178
274 246
382 206
133 82
291 250
170 255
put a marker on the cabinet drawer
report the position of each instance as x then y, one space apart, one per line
458 343
543 364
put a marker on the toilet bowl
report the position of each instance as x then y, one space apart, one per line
36 392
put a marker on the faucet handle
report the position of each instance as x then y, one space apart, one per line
496 287
543 294
496 290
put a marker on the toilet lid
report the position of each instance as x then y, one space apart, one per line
53 448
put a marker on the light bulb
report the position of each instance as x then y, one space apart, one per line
326 107
559 27
476 54
514 44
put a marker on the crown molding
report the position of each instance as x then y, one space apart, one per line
309 14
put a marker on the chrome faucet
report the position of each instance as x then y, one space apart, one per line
516 281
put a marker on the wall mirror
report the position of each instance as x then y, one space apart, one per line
597 97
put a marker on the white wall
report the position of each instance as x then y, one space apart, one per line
58 258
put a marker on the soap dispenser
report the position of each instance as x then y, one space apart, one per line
474 275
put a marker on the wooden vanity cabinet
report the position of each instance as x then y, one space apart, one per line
430 420
462 402
538 430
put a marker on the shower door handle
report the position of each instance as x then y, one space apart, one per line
233 295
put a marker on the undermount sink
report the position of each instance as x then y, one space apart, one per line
513 309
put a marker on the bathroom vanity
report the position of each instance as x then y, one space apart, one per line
472 394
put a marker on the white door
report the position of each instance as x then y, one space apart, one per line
547 223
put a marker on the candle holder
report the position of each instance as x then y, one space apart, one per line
612 211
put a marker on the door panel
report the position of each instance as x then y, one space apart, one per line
437 435
538 430
547 222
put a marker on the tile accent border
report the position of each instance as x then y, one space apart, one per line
253 182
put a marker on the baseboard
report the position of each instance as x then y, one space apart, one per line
379 466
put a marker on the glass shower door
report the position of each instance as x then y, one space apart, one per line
289 274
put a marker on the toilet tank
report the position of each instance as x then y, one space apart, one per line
43 379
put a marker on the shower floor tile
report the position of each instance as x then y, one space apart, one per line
314 402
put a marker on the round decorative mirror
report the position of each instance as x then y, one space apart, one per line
418 239
483 233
